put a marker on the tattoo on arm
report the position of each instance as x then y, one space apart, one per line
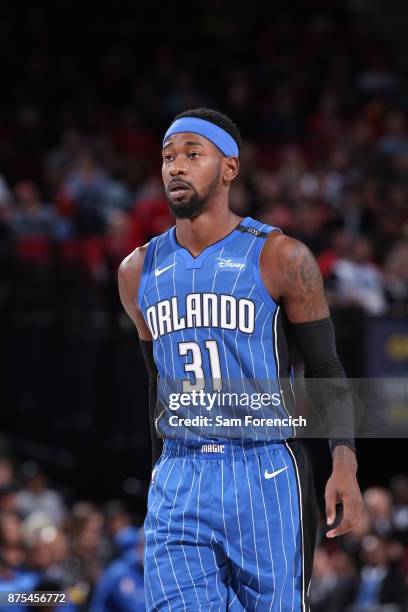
303 285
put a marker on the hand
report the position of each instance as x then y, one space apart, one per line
342 487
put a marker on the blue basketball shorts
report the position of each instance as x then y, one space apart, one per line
230 526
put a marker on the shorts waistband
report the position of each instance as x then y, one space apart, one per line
208 449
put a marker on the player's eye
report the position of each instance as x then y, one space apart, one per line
168 158
193 155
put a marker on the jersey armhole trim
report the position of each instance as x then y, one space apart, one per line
144 277
256 268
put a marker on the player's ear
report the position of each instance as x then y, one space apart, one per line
231 167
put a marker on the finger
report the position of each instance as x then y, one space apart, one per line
331 500
349 520
344 527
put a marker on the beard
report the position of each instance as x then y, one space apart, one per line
195 204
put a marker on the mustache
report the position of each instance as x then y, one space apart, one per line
178 182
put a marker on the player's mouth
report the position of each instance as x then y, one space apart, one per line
177 189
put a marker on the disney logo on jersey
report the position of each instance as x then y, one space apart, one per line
229 263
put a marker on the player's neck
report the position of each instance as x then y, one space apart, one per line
209 227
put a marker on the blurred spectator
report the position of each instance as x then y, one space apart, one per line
121 585
6 469
333 583
119 238
394 140
17 581
119 526
47 557
35 496
357 217
399 489
340 246
31 216
117 518
59 161
396 279
5 195
358 281
11 540
324 581
83 192
344 568
89 547
378 505
41 537
379 583
8 497
309 219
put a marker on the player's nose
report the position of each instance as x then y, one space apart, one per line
177 167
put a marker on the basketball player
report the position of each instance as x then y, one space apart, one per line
231 521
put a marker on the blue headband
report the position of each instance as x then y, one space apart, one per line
217 135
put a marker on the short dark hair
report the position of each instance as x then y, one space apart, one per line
216 117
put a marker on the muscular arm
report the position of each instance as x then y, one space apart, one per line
292 276
128 280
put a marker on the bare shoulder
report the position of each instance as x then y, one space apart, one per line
292 275
292 257
131 267
291 252
287 249
128 280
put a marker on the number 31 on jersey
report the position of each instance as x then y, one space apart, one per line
195 365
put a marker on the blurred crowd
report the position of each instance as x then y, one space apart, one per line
95 552
52 543
367 570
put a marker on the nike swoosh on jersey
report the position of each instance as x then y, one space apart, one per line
273 474
157 271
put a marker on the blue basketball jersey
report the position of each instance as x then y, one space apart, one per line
218 337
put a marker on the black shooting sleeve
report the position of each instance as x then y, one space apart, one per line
325 379
157 443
